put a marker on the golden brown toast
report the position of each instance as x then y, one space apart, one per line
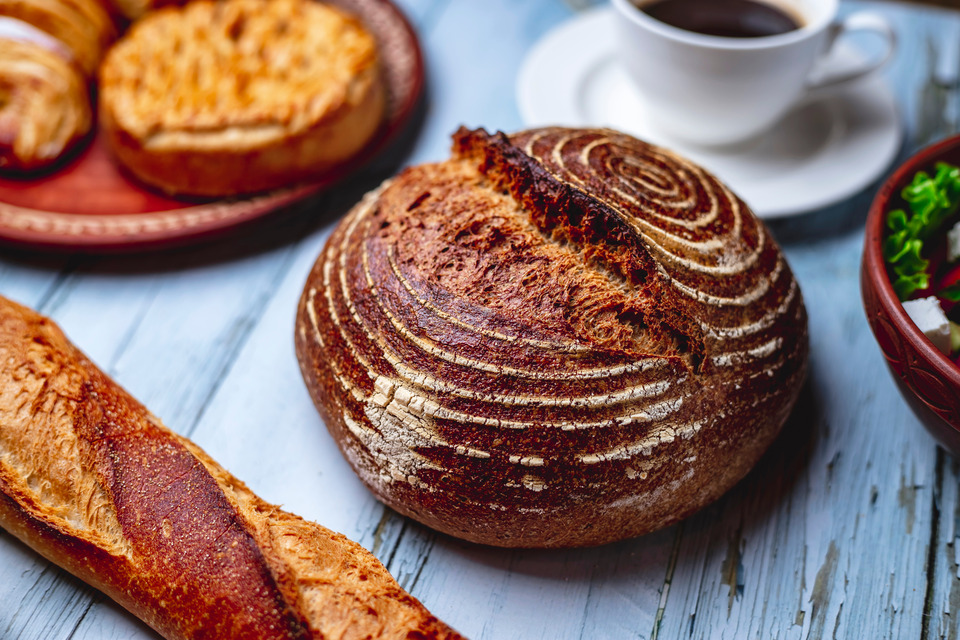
240 96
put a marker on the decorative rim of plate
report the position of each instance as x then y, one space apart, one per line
403 70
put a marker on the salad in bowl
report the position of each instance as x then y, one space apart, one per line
922 254
910 283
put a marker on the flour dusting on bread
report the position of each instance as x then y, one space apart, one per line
94 482
549 325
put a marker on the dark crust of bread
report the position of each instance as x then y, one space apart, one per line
557 338
92 481
557 207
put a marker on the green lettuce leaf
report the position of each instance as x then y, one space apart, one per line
932 200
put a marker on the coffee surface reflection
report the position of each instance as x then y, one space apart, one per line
725 18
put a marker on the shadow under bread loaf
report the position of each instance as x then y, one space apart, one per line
95 483
556 338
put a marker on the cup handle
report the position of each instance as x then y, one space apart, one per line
861 21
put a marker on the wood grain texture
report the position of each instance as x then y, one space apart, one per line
852 468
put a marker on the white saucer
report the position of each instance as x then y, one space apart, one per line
823 151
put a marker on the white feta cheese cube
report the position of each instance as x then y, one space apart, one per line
929 317
953 243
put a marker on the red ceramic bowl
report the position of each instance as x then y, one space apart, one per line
928 379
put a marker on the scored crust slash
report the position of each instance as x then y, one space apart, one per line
95 483
559 337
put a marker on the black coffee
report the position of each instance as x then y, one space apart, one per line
726 18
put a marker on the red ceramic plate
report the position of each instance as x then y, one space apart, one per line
90 205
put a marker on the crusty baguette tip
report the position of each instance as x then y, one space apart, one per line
95 483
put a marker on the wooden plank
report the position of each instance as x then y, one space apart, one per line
830 536
106 619
942 619
33 282
947 4
612 591
285 453
473 56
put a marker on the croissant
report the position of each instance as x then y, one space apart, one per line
94 482
49 51
556 338
83 26
44 105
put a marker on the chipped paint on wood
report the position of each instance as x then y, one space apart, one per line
732 569
907 499
823 589
203 337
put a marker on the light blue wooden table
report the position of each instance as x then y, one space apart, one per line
847 528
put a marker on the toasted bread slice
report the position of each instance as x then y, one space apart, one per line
220 98
44 105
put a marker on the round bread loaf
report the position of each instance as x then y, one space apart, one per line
239 96
560 337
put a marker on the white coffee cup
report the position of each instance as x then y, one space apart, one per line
713 90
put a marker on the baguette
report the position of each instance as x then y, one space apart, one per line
95 483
